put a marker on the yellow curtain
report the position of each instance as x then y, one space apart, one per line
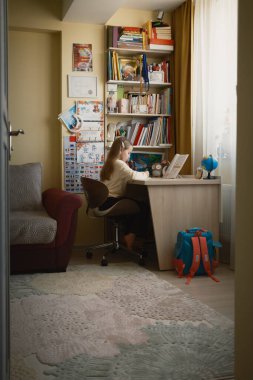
182 25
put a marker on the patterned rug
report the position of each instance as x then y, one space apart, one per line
119 322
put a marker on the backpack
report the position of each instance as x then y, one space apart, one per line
195 254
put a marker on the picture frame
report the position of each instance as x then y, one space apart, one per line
128 68
82 59
156 76
82 86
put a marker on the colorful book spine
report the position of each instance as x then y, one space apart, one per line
160 41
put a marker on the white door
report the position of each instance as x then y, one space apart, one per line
4 199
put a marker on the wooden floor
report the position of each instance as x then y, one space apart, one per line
219 296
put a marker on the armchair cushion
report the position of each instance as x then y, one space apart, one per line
25 187
32 227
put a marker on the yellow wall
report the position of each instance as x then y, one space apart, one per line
134 17
35 101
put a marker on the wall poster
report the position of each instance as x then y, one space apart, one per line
82 57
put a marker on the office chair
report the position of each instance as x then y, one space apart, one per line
96 193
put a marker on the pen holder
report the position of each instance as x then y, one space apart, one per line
199 173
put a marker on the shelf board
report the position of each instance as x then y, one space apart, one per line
137 83
141 51
162 146
139 114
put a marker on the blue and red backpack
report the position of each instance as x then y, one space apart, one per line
195 254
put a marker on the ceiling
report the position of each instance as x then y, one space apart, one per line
100 11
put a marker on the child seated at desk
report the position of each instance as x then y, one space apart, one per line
116 174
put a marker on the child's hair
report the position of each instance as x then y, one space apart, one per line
119 144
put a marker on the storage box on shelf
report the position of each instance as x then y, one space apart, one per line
138 108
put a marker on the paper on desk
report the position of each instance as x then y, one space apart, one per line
175 166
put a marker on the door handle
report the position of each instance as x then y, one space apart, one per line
16 133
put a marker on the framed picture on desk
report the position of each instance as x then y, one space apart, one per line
142 161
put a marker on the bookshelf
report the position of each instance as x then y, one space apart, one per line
139 109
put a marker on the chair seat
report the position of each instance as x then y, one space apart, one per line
122 207
32 227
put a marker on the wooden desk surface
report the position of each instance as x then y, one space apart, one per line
184 180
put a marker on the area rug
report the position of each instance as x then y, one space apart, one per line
119 322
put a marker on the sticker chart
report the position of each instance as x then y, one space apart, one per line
84 147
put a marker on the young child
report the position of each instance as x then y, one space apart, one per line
116 174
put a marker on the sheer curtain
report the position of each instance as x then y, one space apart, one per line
214 92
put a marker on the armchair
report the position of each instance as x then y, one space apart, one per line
42 225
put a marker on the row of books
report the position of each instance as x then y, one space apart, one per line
128 68
123 68
157 131
146 103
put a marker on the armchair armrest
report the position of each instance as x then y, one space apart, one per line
61 206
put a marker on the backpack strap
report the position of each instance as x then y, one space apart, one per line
179 266
205 258
195 259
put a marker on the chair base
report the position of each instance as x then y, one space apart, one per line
115 246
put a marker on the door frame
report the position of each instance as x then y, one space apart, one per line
4 199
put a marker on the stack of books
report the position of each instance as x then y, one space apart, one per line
159 36
130 37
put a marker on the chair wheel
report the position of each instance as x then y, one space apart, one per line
141 261
144 254
104 262
89 254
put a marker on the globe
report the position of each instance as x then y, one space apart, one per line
209 163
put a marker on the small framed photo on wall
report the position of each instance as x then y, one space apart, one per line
82 57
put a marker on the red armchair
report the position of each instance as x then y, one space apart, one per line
61 208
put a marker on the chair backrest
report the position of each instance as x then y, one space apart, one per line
96 192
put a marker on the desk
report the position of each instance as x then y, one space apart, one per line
178 204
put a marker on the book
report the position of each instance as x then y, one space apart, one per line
175 166
123 105
134 29
160 47
136 140
115 35
161 41
159 24
109 37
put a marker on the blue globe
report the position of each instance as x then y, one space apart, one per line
209 163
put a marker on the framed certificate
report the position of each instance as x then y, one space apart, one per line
82 86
